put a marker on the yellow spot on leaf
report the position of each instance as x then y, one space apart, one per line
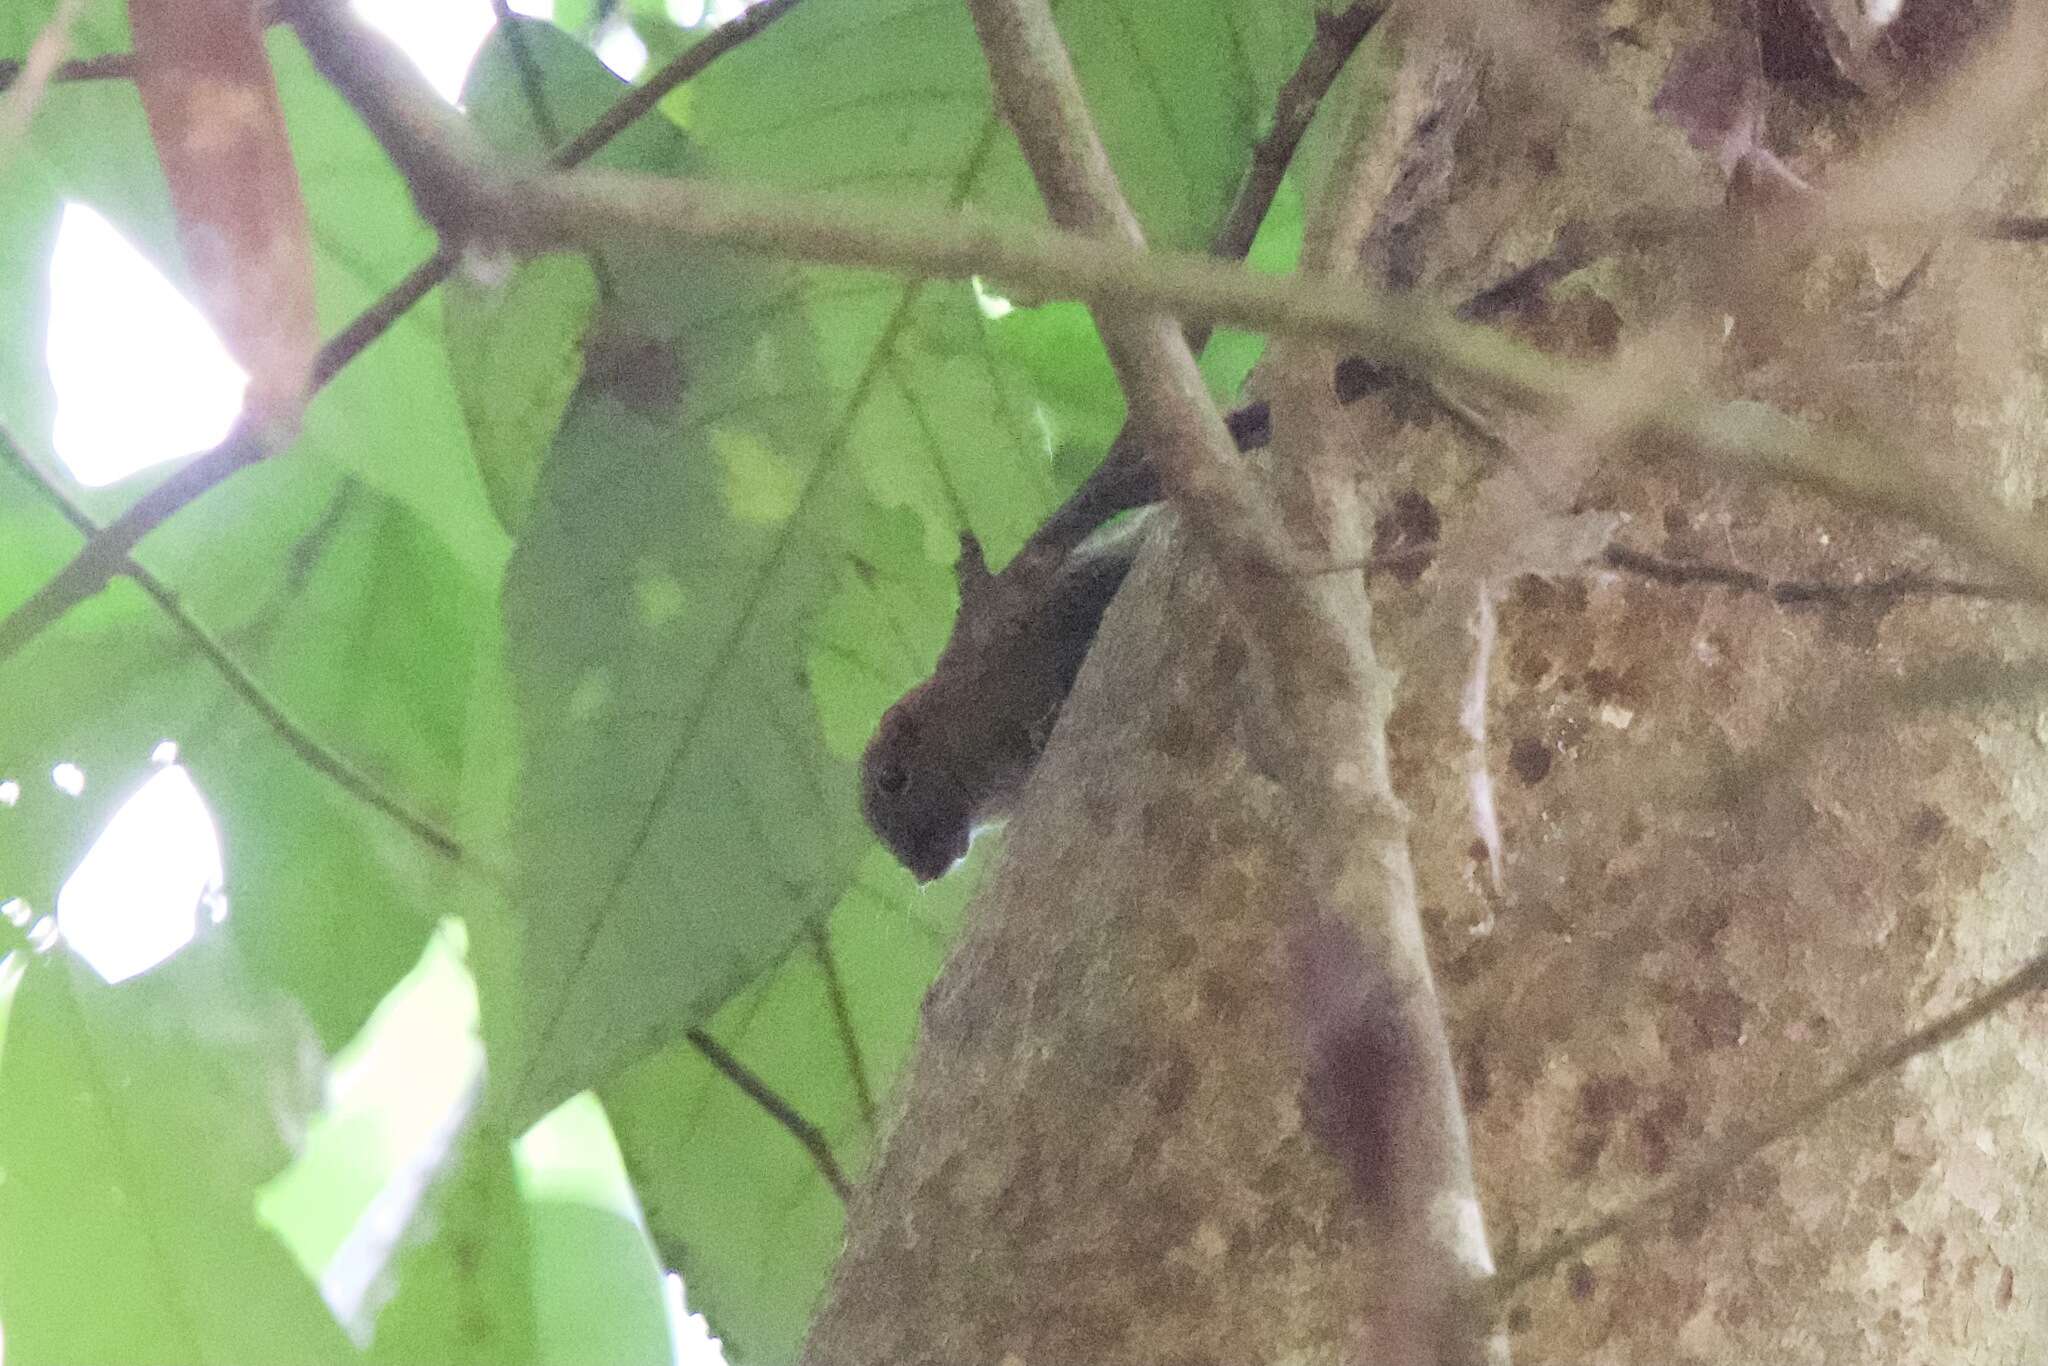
658 594
593 695
761 487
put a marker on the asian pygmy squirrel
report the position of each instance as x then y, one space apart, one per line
955 750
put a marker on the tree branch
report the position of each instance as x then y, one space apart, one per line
686 65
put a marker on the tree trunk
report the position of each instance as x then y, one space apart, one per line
1746 840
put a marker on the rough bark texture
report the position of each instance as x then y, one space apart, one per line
1742 847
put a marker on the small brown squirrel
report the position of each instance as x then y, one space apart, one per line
955 750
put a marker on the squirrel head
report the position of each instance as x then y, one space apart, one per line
910 796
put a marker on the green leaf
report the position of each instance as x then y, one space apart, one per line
601 1296
679 817
515 350
135 1125
361 628
465 1288
734 1202
428 1240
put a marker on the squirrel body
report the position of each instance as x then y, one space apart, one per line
954 752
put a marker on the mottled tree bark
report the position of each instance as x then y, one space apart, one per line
1744 841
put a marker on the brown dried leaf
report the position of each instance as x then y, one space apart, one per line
214 115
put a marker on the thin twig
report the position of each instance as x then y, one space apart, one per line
1337 36
102 556
108 66
295 737
105 553
374 321
1746 1142
842 1022
778 1109
1803 592
683 67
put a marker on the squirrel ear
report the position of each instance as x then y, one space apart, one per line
971 570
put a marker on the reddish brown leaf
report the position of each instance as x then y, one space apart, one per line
219 131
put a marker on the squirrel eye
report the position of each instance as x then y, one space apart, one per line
892 779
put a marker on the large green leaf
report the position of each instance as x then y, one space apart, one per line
360 626
135 1124
734 1202
679 818
465 1284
